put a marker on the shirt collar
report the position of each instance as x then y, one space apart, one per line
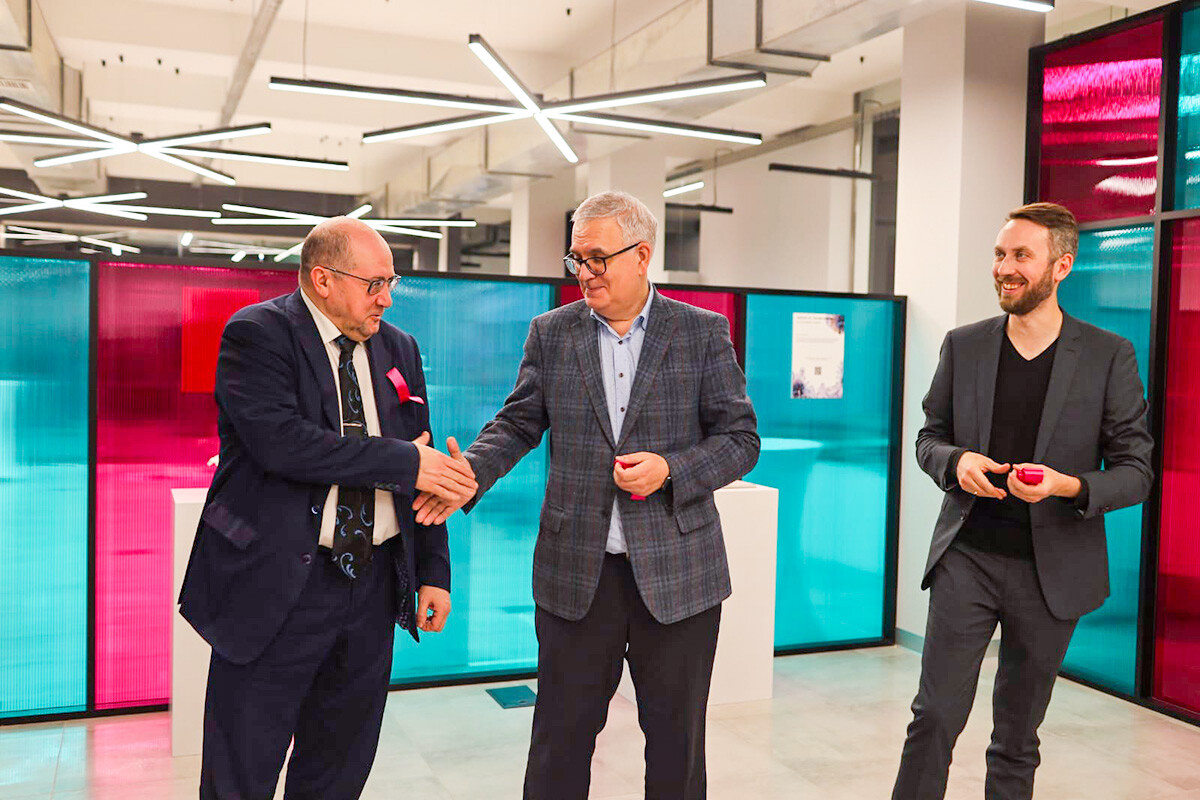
642 319
325 327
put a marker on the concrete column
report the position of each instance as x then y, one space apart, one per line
640 170
962 155
539 224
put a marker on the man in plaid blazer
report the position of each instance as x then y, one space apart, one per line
648 415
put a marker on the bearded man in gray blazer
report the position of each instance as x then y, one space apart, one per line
1035 427
648 415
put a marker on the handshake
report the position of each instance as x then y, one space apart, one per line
445 483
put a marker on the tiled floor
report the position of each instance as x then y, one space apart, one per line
833 732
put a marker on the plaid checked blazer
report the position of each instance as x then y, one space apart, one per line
688 404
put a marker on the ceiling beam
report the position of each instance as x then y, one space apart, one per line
263 21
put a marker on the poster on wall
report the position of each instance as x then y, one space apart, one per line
818 355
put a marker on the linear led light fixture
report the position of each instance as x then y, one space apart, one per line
662 126
38 236
270 217
528 104
454 124
99 143
96 204
678 91
830 172
684 189
491 59
393 95
1043 6
100 204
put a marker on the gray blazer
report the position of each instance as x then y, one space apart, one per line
1093 427
688 404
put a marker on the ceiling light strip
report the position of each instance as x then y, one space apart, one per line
453 124
199 169
392 95
260 158
17 107
680 91
658 126
214 135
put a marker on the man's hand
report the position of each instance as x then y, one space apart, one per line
1054 484
972 475
434 510
450 478
431 598
645 474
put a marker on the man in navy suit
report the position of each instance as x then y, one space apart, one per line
307 553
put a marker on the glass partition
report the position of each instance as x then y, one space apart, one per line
1111 287
44 384
827 432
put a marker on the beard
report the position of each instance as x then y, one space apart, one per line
1034 295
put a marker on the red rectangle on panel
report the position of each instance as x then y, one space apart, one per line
1177 611
205 312
156 429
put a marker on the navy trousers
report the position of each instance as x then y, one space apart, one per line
323 681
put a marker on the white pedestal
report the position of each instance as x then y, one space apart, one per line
189 653
746 644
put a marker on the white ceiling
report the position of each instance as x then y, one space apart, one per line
161 67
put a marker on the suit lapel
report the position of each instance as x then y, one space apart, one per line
587 349
654 347
385 400
985 379
1066 359
318 357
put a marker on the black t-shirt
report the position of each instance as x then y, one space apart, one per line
1002 526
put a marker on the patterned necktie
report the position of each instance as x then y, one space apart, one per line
352 533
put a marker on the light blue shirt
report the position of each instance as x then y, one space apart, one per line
618 363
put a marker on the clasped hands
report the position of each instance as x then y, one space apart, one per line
644 474
973 469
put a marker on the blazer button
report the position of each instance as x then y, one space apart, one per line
306 558
316 510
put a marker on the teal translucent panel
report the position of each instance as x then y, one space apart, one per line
1187 152
43 485
1110 286
472 335
829 459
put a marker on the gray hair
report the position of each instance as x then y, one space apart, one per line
635 220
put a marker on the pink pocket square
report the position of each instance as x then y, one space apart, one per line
402 387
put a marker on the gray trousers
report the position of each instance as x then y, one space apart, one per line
971 592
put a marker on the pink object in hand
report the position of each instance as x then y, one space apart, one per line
623 465
401 385
1030 475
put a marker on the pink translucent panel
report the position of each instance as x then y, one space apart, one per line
1100 108
724 303
1177 628
159 330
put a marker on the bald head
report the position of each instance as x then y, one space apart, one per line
337 242
345 270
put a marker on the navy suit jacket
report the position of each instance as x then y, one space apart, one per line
281 449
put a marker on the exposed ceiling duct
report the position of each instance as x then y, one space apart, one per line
32 71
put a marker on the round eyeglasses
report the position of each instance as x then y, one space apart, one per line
374 286
597 265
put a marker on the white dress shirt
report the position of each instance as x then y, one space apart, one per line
386 524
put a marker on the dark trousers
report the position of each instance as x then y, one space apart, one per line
579 667
971 592
323 680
